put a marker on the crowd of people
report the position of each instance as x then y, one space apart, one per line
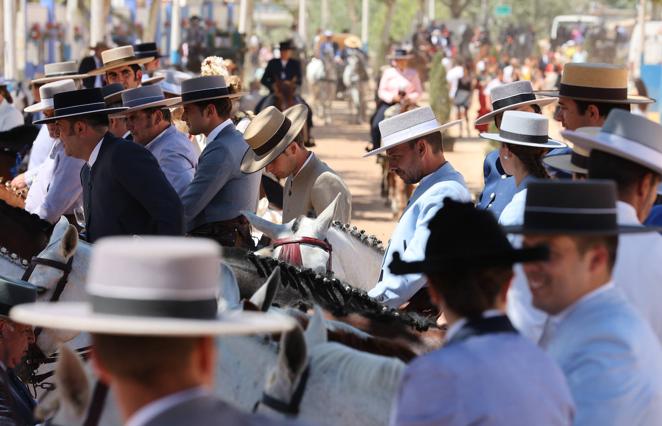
547 284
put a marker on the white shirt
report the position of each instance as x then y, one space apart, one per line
94 154
154 408
638 268
305 163
212 135
10 117
41 148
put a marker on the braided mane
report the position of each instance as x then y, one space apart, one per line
27 220
334 295
367 239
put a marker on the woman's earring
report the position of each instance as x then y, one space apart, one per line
505 157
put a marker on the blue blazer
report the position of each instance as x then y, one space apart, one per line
275 71
499 187
655 216
612 361
128 193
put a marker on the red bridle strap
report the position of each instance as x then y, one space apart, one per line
291 249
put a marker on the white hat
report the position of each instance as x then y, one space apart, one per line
524 128
47 92
512 96
408 126
626 135
59 71
119 57
153 286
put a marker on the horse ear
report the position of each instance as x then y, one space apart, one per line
292 356
69 242
272 230
325 218
71 381
264 296
315 333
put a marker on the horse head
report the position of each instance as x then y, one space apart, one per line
301 241
284 92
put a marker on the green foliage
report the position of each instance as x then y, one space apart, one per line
440 102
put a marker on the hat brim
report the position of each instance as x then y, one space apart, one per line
229 96
60 117
620 229
44 80
485 119
252 162
104 68
412 136
563 162
618 146
164 103
39 107
79 316
631 99
474 259
152 80
551 143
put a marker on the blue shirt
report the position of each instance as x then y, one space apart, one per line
499 187
176 156
411 234
655 216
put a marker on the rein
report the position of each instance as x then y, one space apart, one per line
288 408
291 249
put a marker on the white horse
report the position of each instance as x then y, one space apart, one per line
355 76
356 257
322 78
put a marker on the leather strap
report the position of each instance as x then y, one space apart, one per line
288 408
291 249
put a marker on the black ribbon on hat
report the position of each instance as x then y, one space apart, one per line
204 309
516 99
273 141
579 160
78 109
196 95
593 92
142 101
539 139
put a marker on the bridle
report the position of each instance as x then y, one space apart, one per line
291 249
290 408
62 282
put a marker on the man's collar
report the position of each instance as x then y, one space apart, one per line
305 163
159 136
153 409
214 133
627 214
95 152
588 296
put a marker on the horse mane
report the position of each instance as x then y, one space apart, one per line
367 239
27 220
337 297
24 234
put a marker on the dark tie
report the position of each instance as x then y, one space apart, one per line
16 398
86 181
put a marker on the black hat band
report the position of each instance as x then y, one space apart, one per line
273 141
204 309
196 95
60 74
77 109
142 101
120 61
593 92
540 139
579 160
512 100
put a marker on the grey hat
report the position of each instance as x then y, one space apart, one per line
146 97
524 128
112 94
512 96
626 135
205 88
59 71
48 91
15 292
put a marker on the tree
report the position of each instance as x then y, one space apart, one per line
456 7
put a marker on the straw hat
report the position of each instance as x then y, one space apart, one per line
205 88
524 128
48 91
154 286
59 71
604 83
577 160
78 103
408 126
626 135
269 133
512 96
119 57
563 206
145 97
353 42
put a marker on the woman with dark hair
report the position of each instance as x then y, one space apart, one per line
486 373
10 117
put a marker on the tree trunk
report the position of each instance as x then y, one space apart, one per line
353 19
386 34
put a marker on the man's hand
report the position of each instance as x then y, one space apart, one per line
19 182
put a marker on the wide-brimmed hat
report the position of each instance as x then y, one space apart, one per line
145 97
147 50
285 45
524 128
353 42
512 96
205 88
78 103
119 57
112 94
462 236
15 292
408 126
577 160
59 71
400 54
626 135
602 83
47 92
269 133
147 80
584 207
153 286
